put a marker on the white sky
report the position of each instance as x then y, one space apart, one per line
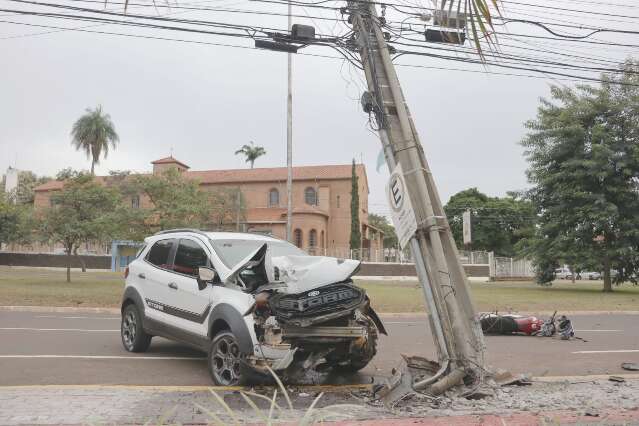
205 101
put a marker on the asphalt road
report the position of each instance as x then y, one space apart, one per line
39 348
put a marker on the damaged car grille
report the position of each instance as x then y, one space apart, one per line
339 298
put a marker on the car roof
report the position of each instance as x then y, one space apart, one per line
216 235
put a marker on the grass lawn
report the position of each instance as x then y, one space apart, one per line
43 287
404 296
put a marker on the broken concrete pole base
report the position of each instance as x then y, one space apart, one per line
413 376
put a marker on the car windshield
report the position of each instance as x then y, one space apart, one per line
232 251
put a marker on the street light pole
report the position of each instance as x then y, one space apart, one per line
289 137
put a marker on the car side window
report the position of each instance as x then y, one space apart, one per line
159 254
189 257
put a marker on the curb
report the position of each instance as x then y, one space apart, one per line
107 310
60 309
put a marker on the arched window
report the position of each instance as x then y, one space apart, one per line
310 196
135 202
312 238
273 198
297 237
322 239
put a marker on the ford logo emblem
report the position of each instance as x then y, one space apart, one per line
313 293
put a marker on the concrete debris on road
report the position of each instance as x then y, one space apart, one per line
631 366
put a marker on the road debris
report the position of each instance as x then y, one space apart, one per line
617 379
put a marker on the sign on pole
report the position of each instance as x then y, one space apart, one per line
402 212
466 228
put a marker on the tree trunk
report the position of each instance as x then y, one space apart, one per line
69 265
92 168
80 259
607 286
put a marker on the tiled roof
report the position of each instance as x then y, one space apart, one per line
270 174
170 160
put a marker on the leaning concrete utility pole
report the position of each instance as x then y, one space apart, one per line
289 137
453 318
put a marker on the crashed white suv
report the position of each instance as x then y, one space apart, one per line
250 301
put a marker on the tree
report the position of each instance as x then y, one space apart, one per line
251 152
15 221
497 224
381 222
176 202
94 133
82 211
27 182
356 233
583 154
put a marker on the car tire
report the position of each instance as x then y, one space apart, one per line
134 338
226 362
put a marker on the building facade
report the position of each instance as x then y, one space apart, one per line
321 195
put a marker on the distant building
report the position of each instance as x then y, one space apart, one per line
321 201
11 180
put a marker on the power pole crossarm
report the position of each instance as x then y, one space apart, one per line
452 315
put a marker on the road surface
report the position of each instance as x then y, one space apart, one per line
40 348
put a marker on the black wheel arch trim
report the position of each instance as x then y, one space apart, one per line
233 318
130 293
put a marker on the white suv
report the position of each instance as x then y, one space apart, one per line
251 302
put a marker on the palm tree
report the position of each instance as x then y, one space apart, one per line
252 152
93 133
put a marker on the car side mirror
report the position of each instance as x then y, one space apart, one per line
204 276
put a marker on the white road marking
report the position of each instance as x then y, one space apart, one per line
404 322
618 351
596 331
172 358
58 329
100 318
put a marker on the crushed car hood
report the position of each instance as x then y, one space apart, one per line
303 273
296 273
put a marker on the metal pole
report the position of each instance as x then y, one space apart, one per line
289 138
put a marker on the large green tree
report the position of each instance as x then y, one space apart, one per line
27 182
94 133
15 221
381 222
251 151
175 201
82 211
498 224
583 154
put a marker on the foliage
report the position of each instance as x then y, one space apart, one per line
67 173
497 224
381 222
583 154
94 133
27 182
251 152
15 221
356 233
175 202
82 211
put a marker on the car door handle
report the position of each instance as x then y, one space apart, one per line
173 286
141 276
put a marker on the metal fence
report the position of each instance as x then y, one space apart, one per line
508 267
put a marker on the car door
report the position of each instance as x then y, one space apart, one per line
154 275
188 304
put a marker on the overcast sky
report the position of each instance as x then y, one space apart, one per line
203 102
